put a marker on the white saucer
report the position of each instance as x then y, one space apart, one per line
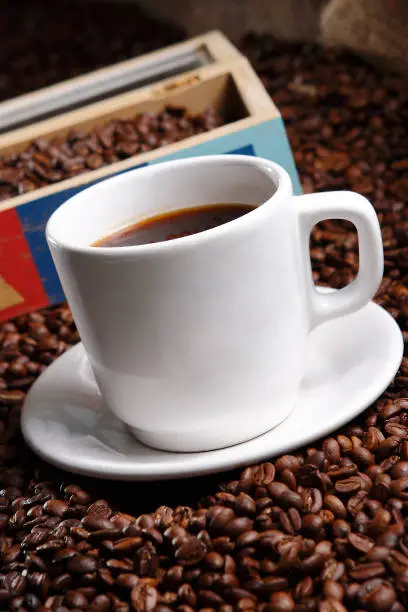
350 363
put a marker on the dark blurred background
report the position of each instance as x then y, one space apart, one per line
46 41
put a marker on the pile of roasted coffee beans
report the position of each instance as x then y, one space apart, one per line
50 161
320 530
41 44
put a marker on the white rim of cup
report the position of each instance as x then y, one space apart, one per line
278 176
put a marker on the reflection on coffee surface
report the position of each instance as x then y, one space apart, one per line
174 224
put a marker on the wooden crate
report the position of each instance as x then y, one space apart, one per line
28 279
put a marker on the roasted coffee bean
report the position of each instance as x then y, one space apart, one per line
331 605
16 583
332 570
331 449
100 508
238 526
399 470
312 525
377 595
333 590
127 581
289 479
312 500
144 598
214 561
291 521
311 565
348 485
336 506
75 599
360 542
81 564
281 494
100 603
190 552
244 505
219 517
304 588
55 507
263 474
94 522
366 571
281 602
289 462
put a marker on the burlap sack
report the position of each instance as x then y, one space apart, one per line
286 19
377 29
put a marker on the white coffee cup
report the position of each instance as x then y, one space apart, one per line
199 343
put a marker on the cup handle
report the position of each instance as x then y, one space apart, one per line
353 207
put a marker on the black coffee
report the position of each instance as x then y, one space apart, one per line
174 224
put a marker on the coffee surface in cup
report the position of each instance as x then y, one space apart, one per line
174 224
